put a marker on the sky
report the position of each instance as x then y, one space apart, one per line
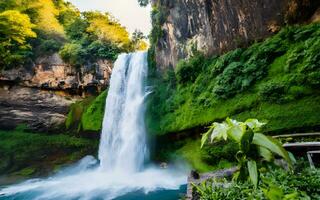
128 12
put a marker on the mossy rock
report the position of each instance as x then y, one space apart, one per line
86 116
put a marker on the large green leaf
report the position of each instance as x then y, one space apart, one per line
271 144
265 153
253 172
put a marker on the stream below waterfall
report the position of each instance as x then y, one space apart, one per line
123 171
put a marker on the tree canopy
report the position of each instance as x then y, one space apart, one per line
15 29
35 28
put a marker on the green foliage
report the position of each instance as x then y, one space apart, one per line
73 53
15 29
276 184
274 80
158 17
214 152
17 146
35 28
94 36
252 145
93 116
87 115
187 71
273 92
138 41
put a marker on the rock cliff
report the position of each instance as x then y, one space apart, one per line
51 73
39 96
217 26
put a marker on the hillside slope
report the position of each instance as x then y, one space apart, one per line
276 81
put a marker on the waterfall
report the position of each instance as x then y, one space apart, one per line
123 138
122 152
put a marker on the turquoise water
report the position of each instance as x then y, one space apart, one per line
139 195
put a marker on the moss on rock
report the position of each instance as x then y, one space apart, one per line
86 116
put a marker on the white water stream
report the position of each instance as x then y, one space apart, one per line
123 149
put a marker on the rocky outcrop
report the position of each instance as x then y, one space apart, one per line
52 73
41 111
217 26
39 96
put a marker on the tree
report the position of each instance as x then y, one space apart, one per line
253 145
15 29
73 53
107 29
138 40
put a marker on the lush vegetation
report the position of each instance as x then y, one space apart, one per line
87 115
276 184
276 80
258 175
26 153
15 29
33 28
253 146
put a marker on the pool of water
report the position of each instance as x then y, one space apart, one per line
138 195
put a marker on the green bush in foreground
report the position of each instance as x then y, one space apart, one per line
253 146
276 184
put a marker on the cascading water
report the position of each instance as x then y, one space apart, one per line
122 152
123 142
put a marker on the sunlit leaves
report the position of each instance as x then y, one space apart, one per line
107 29
15 29
253 146
15 26
46 16
254 124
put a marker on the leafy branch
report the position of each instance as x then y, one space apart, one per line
253 146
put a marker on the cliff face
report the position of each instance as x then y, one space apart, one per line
52 73
39 96
217 26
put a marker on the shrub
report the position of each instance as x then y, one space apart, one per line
273 92
188 71
276 184
73 53
253 146
49 46
223 61
214 153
